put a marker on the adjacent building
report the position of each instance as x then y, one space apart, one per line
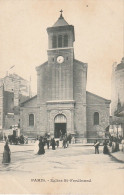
13 90
117 104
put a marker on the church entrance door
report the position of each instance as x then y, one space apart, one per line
59 125
60 129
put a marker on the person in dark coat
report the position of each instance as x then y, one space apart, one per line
48 143
41 147
105 148
53 144
6 154
96 145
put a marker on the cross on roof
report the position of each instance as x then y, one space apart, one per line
61 12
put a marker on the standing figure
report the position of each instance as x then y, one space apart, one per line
73 140
53 143
65 142
48 143
105 148
57 143
6 154
122 142
41 146
36 146
60 133
69 137
96 145
68 141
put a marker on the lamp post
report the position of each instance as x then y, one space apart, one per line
117 125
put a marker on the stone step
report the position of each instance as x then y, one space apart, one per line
79 140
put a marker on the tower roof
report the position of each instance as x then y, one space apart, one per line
61 21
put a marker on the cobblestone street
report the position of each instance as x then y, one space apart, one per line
61 167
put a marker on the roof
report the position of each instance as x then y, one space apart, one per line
121 65
45 63
108 101
60 22
14 75
81 63
28 100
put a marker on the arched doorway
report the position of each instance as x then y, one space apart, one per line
60 124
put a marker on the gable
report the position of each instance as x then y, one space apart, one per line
80 64
95 99
41 66
32 102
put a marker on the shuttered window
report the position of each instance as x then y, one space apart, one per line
60 41
65 40
54 42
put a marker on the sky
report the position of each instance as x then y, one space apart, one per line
98 37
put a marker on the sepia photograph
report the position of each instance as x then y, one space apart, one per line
62 97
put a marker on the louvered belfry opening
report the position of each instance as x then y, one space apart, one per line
60 124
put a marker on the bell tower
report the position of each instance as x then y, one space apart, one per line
60 59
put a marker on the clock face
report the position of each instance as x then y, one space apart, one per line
60 59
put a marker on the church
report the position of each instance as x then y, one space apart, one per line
62 103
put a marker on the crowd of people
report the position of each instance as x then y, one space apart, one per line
64 141
40 143
110 145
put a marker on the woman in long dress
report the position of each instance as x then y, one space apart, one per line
41 147
6 154
36 146
53 143
105 148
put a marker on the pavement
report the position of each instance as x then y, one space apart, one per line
73 170
118 156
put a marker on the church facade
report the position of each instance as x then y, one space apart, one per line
62 102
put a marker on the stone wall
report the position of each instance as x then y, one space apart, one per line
102 106
30 107
61 107
79 84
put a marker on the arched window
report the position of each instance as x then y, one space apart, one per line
60 118
96 118
60 41
31 119
54 42
65 40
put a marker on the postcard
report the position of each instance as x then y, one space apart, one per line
62 97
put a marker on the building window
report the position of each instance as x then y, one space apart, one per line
54 42
31 119
60 41
65 40
96 118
